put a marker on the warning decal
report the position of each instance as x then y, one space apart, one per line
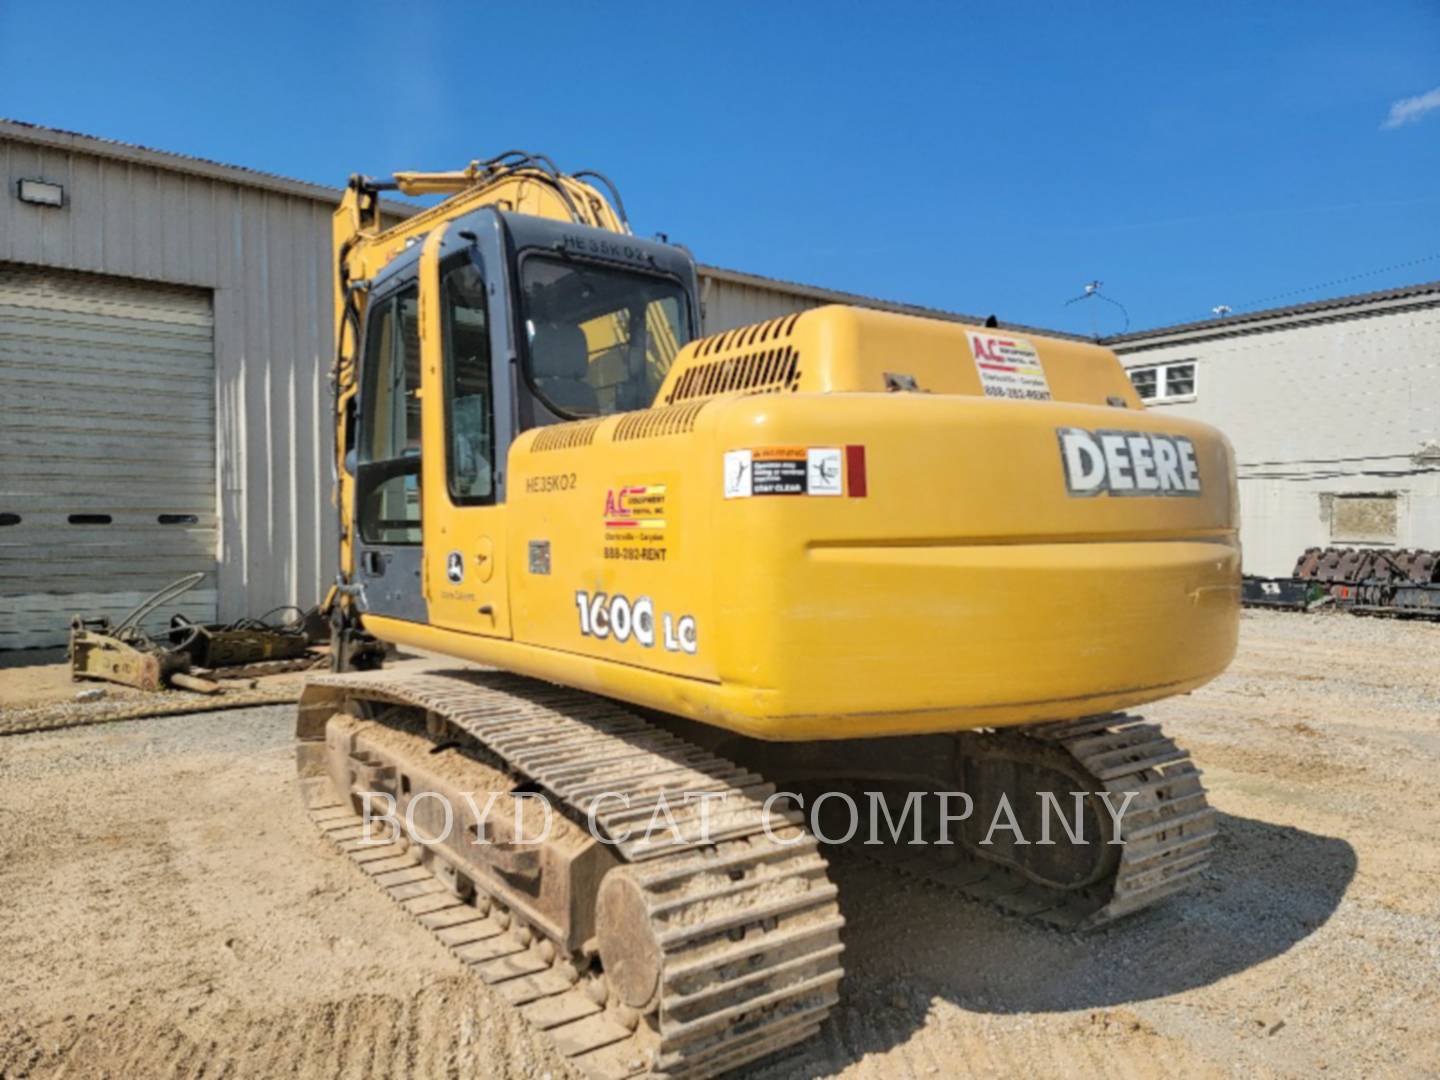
1009 367
793 470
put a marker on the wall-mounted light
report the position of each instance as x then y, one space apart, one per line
41 192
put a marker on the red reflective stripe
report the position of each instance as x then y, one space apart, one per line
855 471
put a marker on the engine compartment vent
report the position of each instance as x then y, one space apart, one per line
651 423
569 436
760 360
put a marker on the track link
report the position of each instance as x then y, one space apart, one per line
747 928
1167 831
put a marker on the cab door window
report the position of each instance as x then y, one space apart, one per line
388 471
469 393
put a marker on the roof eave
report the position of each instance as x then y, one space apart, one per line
74 142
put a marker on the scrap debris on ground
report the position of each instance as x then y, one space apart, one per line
172 911
202 658
38 696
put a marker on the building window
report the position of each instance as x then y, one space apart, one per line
1165 382
1146 379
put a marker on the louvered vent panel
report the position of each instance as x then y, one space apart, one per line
567 436
651 423
755 359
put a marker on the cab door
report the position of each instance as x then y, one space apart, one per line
387 527
468 420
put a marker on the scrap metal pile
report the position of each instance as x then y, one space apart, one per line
1376 581
192 656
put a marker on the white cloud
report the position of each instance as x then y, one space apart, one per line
1410 109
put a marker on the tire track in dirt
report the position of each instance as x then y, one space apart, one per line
868 1041
431 1033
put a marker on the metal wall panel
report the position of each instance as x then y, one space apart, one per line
728 304
261 246
107 463
1345 401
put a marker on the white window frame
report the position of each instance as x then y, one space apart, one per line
1162 380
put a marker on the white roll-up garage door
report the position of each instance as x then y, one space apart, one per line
107 449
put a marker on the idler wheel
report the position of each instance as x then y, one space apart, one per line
628 946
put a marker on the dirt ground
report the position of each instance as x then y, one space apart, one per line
169 911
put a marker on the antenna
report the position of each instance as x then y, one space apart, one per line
1092 291
1221 310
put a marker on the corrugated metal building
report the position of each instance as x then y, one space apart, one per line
1333 409
730 298
165 346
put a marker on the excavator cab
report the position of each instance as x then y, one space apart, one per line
503 322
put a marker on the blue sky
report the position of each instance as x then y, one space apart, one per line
982 158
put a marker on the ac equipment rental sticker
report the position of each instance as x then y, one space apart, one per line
1009 367
635 523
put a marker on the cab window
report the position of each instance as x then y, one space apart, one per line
388 471
469 397
600 338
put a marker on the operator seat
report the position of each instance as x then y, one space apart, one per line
559 362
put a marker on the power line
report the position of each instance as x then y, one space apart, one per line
1335 474
1330 461
1250 304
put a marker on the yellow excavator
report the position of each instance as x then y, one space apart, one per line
858 558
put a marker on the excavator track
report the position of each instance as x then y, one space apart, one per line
1165 837
736 947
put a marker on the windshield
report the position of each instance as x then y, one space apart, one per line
600 338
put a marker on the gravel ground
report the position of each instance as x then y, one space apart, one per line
170 911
